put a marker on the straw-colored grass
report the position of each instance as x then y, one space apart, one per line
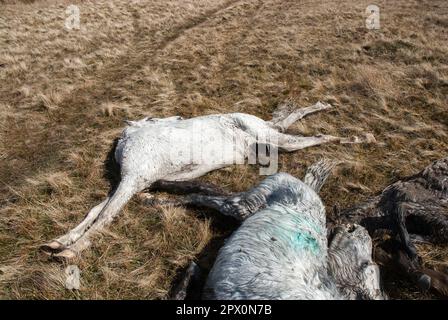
64 95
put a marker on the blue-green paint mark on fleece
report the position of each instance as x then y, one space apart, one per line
303 236
307 241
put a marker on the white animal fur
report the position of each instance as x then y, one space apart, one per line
280 251
145 155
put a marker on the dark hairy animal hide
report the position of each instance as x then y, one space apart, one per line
412 209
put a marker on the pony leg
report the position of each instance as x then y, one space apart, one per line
187 187
66 240
244 204
290 143
191 278
125 190
284 118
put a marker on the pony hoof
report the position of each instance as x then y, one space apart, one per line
53 246
66 254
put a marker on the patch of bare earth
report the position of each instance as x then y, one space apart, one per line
64 94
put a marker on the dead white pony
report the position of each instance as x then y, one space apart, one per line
280 251
160 149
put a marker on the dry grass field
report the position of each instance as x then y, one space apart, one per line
65 93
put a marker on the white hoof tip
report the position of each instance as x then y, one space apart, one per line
53 246
350 140
370 138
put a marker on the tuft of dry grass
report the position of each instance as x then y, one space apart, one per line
65 93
